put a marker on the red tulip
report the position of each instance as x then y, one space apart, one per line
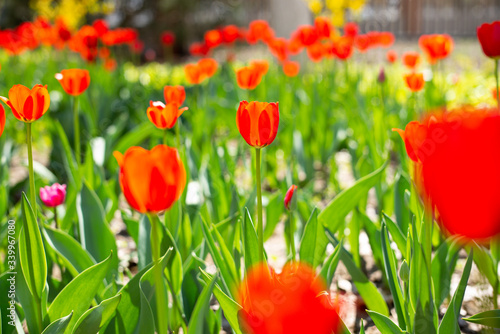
259 30
199 49
258 122
213 38
316 52
289 197
411 59
151 180
343 48
323 27
391 56
249 77
54 195
164 116
414 81
2 119
26 104
489 37
174 94
456 153
351 29
279 48
101 26
291 302
306 35
74 81
436 47
231 34
167 38
291 68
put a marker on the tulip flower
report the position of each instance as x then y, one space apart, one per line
2 119
152 181
74 81
28 105
164 116
279 48
414 81
203 69
489 37
249 77
213 38
290 302
323 27
411 59
258 125
174 94
167 38
289 203
291 68
259 30
53 196
456 154
391 56
436 47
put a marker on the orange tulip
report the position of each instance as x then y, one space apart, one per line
174 94
208 66
291 68
258 122
260 65
248 77
204 69
411 59
436 47
414 81
26 104
151 180
391 56
164 116
74 81
2 119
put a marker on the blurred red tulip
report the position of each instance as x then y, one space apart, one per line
231 34
414 81
279 48
316 52
199 49
164 116
174 94
391 56
323 27
436 47
291 302
351 29
208 66
74 81
489 37
213 38
455 152
259 30
343 48
291 68
411 59
2 119
306 35
362 43
249 77
258 122
289 197
151 180
26 104
167 38
203 69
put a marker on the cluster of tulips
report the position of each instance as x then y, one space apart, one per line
443 147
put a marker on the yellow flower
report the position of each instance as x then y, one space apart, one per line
356 5
335 5
315 6
338 18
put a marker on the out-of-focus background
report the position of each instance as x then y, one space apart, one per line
189 19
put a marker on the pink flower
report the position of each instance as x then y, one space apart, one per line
54 195
289 197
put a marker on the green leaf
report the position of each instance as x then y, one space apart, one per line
58 326
135 137
397 235
335 212
330 266
76 259
144 245
32 252
202 307
314 241
69 158
488 318
250 241
443 265
229 277
274 210
384 324
368 291
228 305
94 319
485 264
79 293
96 236
392 277
449 324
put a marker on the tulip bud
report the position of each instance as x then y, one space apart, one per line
290 200
381 75
404 271
53 195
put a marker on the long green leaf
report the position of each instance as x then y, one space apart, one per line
314 241
94 319
250 241
488 318
335 212
384 324
32 252
58 326
196 324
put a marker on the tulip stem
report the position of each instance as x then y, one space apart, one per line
161 307
165 137
29 141
178 135
291 236
260 228
76 129
496 78
55 215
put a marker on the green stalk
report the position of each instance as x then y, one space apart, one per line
164 136
76 129
161 306
496 78
260 229
29 140
55 215
291 236
178 135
